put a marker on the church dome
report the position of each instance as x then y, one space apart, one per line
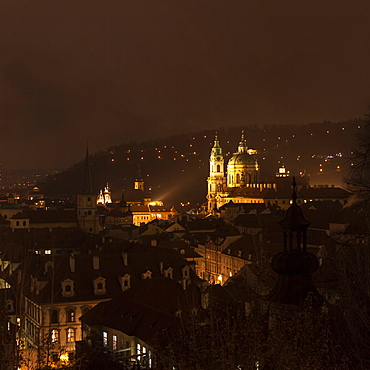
242 159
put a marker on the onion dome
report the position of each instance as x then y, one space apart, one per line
294 262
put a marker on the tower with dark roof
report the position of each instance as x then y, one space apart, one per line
294 265
87 214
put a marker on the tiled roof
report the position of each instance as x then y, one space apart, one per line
50 216
111 267
147 311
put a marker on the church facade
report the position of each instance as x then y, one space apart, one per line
242 172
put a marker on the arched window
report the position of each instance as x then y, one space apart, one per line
85 310
54 316
70 335
218 168
54 336
71 315
237 178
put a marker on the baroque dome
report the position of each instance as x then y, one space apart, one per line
242 159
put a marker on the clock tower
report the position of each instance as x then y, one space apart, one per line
216 180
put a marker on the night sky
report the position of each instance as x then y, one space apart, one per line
115 71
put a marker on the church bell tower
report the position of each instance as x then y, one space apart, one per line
87 213
216 179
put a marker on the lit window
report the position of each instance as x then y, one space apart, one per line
54 336
70 335
114 343
71 315
105 339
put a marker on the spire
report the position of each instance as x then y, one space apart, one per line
139 178
88 182
242 148
216 150
294 224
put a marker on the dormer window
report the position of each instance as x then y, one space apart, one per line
125 282
185 272
9 305
49 266
99 286
147 275
239 253
68 288
168 273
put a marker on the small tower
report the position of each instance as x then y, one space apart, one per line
294 265
139 182
87 214
216 179
107 195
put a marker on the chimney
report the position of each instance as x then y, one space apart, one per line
72 263
124 258
96 262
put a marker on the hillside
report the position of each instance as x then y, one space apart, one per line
176 168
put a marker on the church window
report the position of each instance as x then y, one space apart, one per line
17 223
237 178
218 168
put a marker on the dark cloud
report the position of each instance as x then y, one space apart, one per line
115 71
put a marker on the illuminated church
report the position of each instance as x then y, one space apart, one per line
242 175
